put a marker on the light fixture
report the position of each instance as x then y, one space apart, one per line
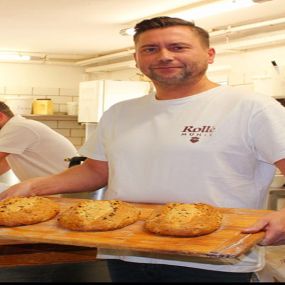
10 56
214 8
207 10
127 32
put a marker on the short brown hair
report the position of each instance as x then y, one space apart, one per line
6 110
164 22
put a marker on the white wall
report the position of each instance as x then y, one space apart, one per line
242 66
40 75
247 65
61 82
57 82
127 74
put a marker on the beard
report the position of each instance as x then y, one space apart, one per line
187 73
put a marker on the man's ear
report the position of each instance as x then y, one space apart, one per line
2 116
135 58
211 55
2 120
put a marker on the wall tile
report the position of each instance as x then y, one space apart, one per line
77 133
45 91
63 108
51 124
68 92
60 99
19 97
65 132
55 108
76 141
19 90
69 124
2 90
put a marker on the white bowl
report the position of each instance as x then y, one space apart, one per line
278 180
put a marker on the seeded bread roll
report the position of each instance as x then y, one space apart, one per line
179 219
99 215
19 211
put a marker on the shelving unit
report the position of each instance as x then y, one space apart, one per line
51 117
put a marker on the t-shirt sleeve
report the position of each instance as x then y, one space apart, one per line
268 132
16 140
94 147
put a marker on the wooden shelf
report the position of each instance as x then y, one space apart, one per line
51 117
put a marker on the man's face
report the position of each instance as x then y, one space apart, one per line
172 55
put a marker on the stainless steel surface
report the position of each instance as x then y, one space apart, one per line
274 194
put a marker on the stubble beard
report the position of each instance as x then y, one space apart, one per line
187 74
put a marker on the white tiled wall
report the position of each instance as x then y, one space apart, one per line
68 127
59 96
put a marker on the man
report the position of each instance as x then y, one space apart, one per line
193 141
31 148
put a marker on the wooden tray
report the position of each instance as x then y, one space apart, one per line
227 242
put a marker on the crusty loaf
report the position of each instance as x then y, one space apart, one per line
20 211
181 219
99 215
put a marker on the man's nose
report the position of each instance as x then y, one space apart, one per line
165 55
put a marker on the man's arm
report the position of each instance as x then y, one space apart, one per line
4 166
274 223
89 176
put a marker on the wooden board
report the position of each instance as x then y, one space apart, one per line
227 242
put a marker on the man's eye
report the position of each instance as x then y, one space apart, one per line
149 50
178 48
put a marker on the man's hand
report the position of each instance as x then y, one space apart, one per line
274 226
4 166
22 189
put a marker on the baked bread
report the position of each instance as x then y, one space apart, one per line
19 211
99 215
180 219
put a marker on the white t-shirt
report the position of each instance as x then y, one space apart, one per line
34 148
216 147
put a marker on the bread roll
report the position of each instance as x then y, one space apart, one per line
180 219
18 211
99 215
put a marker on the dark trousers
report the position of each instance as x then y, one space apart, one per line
121 271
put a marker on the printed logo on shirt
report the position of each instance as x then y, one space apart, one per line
196 133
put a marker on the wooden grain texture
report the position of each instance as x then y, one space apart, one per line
226 242
13 255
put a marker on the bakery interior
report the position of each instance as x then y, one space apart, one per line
49 48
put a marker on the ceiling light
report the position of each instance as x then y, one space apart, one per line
13 56
214 8
127 32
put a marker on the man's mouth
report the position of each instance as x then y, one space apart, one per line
165 67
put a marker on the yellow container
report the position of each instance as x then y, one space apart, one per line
43 107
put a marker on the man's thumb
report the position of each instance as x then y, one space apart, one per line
257 227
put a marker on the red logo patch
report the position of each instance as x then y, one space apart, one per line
194 139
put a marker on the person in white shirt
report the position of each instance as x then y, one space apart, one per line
30 148
192 141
